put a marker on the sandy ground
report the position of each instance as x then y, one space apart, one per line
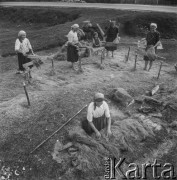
56 97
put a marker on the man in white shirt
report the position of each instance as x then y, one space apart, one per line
22 48
98 116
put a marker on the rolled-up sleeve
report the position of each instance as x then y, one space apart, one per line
70 36
107 112
17 45
90 113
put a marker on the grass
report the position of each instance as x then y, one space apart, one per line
49 32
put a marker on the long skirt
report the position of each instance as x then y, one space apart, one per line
146 58
100 123
110 46
23 60
72 53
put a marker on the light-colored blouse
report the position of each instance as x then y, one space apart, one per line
23 46
98 112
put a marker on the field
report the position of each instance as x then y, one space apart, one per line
55 97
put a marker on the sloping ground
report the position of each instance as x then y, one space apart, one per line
55 98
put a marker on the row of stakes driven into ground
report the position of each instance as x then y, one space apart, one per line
37 62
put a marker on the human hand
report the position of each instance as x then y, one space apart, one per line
98 135
109 133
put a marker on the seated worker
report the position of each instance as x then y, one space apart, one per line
98 116
23 48
89 30
96 40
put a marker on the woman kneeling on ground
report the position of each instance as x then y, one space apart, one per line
98 116
153 40
23 48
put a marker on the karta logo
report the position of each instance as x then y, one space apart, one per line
113 170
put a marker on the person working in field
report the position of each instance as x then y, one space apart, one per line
98 116
72 45
23 48
111 34
153 40
96 40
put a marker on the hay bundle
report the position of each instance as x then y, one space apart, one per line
129 132
36 60
150 53
121 96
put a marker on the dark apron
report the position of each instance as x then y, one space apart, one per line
72 53
100 123
23 60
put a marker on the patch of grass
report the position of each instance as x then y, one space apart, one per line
138 24
46 27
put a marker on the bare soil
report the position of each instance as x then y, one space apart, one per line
57 96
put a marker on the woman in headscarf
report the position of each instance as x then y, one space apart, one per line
72 45
111 34
98 116
153 40
23 48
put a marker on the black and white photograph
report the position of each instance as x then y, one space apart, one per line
88 89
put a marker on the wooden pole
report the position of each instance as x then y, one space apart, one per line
57 130
159 70
128 54
24 85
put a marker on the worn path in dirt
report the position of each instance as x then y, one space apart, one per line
168 9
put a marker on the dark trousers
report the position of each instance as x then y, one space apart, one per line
22 60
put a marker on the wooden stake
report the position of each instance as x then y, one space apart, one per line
24 85
102 56
80 65
136 55
128 55
160 70
58 130
52 64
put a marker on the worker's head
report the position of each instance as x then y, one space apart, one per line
75 27
95 34
22 35
98 99
153 27
112 23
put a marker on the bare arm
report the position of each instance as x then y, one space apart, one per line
93 127
109 124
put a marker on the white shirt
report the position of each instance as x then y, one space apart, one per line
72 36
98 112
23 47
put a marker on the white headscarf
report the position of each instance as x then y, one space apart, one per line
75 26
153 24
21 33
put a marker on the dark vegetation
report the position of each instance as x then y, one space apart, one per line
160 2
46 27
50 17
